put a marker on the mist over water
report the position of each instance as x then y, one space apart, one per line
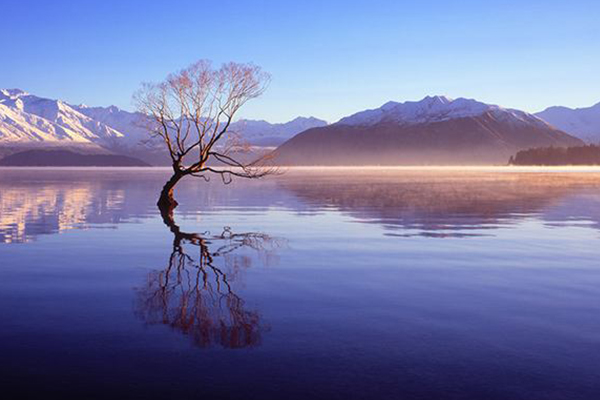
336 283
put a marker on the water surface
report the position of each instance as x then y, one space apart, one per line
392 283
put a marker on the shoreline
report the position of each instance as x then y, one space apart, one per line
466 168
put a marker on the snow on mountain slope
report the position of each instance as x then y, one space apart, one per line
433 131
17 126
436 109
256 132
263 133
29 120
27 117
583 123
131 125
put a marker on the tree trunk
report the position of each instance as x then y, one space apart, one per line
166 202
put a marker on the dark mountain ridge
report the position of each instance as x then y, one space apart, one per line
66 158
490 137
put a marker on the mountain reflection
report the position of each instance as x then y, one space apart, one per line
406 203
35 203
451 204
194 294
26 212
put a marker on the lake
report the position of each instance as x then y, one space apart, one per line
333 284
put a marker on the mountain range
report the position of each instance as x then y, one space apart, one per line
583 123
28 121
434 130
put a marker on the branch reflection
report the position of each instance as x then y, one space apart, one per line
195 294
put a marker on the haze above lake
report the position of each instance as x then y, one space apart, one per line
340 283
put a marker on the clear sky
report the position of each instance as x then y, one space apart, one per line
327 58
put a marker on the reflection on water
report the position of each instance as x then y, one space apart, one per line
333 284
450 204
29 211
406 203
194 294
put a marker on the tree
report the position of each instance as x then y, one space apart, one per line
577 155
192 111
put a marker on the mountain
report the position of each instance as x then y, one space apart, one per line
66 158
435 130
31 122
256 132
131 125
28 118
263 133
583 123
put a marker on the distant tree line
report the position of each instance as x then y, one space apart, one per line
579 155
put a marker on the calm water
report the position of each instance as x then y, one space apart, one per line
391 284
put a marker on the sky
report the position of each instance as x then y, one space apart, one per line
327 59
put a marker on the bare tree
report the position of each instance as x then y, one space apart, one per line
192 111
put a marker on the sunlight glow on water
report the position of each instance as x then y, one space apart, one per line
430 283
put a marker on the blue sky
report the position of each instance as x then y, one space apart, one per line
327 58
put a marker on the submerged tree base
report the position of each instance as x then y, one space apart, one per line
166 201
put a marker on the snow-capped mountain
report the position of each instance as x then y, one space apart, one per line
435 109
583 123
132 125
28 118
263 133
29 121
255 132
434 130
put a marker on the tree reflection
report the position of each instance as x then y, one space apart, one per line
194 294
